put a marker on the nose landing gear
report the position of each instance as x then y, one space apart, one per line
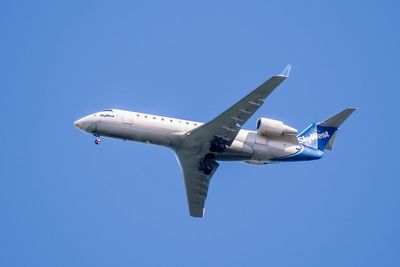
97 141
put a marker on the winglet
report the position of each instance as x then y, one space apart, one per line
286 71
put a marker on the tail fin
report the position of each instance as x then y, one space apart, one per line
322 135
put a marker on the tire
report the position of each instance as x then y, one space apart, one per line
207 171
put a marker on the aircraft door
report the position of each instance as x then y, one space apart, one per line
127 117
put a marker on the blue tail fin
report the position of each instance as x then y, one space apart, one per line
322 135
316 136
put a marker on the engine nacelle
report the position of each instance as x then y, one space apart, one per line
274 128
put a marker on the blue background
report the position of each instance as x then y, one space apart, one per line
66 202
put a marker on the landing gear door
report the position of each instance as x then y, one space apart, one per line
127 118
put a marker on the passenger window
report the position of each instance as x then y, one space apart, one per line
171 120
154 118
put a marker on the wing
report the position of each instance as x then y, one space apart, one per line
198 165
227 125
196 182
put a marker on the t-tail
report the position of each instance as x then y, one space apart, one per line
318 137
321 136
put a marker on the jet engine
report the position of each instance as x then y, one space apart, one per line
272 127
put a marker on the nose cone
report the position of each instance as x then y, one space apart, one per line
78 123
87 123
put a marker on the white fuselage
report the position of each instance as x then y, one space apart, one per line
248 146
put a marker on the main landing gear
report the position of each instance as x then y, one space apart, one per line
218 145
206 165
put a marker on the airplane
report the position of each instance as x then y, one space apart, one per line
199 147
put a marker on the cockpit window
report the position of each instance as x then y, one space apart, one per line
110 110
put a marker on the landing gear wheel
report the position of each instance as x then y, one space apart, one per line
218 145
209 156
206 166
97 141
208 170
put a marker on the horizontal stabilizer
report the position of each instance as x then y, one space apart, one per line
330 126
338 119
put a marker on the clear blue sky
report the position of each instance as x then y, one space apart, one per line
66 202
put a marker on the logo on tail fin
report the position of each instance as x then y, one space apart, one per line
316 136
313 137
